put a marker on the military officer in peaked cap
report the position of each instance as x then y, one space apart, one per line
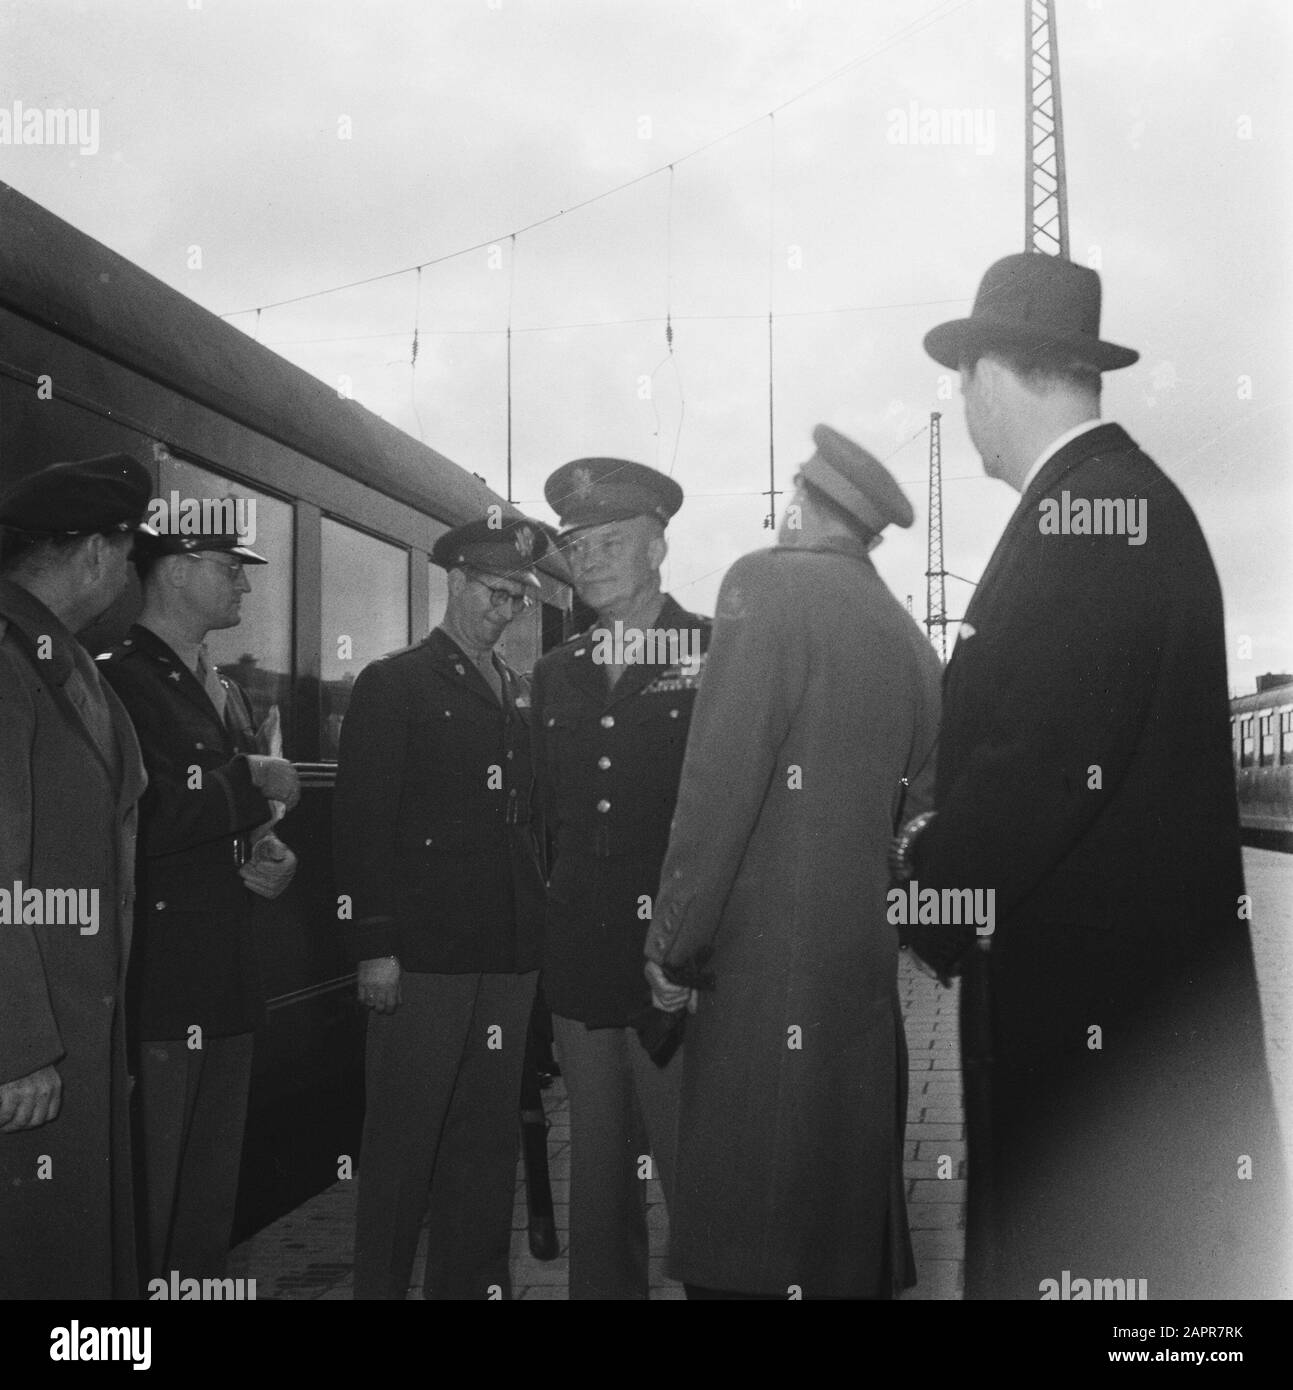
437 853
813 734
206 851
612 710
70 778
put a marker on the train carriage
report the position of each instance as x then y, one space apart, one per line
1261 727
95 356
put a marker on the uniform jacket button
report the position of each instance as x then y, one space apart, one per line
603 805
673 714
608 721
426 842
603 762
159 906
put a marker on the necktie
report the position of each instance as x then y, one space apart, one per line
210 681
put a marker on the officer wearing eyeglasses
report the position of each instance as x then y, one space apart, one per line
206 850
436 861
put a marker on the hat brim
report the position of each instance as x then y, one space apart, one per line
606 518
528 577
854 500
247 555
951 343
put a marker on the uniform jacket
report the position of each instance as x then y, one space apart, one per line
67 820
195 949
813 734
433 820
1085 776
608 765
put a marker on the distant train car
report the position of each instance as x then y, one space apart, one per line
96 356
1261 727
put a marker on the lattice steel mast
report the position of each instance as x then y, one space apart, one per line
935 590
1046 214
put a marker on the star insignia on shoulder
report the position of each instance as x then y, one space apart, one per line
175 675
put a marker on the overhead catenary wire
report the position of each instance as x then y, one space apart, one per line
927 20
770 520
627 322
413 358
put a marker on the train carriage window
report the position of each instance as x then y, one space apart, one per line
257 653
1286 735
1246 741
365 613
1268 740
439 585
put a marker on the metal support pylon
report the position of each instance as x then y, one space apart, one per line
935 591
1046 215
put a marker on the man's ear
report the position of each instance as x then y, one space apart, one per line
657 549
991 377
97 556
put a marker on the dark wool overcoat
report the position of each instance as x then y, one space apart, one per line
813 734
1119 1114
67 821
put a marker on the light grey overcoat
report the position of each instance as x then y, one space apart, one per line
813 733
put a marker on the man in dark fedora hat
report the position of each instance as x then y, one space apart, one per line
437 853
70 779
612 709
813 736
207 851
1118 1108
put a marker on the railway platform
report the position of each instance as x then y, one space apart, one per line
308 1253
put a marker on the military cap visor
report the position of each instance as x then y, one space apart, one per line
80 498
508 551
855 480
595 491
227 543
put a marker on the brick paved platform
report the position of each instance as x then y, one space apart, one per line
308 1253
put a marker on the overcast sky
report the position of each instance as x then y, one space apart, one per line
222 125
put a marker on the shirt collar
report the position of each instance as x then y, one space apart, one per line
1054 447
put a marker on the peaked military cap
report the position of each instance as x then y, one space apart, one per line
108 493
856 481
591 492
1031 301
227 542
508 550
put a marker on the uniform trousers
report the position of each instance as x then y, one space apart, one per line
622 1107
441 1135
192 1113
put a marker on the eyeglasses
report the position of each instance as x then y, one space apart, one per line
234 569
504 598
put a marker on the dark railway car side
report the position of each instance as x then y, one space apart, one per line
1261 727
97 355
